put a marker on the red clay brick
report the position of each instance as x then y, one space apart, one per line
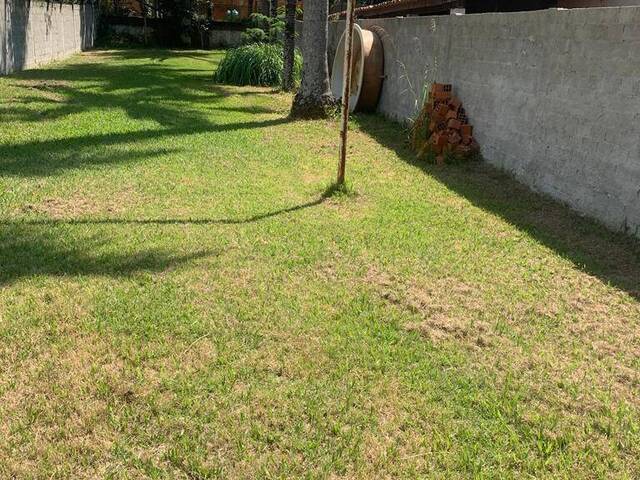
441 87
454 123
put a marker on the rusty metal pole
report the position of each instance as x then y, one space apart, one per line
346 89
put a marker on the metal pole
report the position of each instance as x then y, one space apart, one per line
346 89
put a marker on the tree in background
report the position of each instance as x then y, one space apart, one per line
314 98
183 18
264 7
289 45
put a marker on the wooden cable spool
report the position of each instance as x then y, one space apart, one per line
367 70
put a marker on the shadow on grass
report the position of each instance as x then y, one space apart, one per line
162 221
179 101
159 55
612 257
50 157
28 250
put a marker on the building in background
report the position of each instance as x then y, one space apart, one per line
217 10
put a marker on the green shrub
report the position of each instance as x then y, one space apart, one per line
264 29
257 64
254 35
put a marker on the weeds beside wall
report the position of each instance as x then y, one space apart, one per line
34 32
554 95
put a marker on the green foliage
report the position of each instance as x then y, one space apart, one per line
264 29
183 20
254 35
255 64
261 21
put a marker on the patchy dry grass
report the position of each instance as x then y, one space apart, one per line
179 299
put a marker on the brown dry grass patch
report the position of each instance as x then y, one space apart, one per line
448 307
83 204
594 338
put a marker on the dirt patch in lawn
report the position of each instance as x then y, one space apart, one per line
448 307
582 332
50 394
70 395
82 204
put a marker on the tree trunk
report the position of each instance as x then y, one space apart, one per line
314 98
145 29
289 46
346 90
274 8
265 7
145 34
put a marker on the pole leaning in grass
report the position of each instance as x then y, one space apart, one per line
346 90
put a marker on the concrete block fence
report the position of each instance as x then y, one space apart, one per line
554 95
34 32
225 38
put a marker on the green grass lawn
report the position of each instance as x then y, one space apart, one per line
178 299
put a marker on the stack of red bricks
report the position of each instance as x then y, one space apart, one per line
448 130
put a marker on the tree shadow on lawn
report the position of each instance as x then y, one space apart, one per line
159 55
612 257
164 221
179 103
29 247
29 250
41 158
150 92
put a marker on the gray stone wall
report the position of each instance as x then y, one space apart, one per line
223 38
554 96
34 32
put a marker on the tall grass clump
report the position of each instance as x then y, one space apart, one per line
256 64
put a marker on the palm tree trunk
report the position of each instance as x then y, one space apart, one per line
289 45
314 98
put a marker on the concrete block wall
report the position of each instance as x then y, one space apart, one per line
34 32
221 38
554 95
